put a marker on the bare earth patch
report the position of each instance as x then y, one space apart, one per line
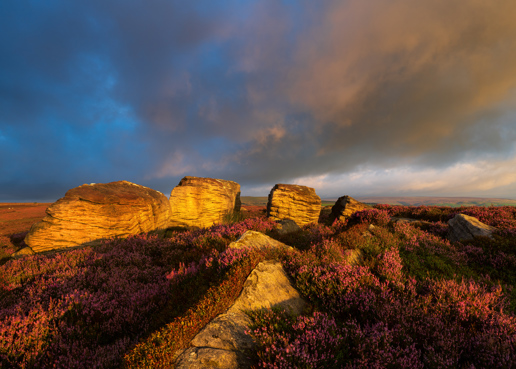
17 218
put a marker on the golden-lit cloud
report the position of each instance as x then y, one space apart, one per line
415 95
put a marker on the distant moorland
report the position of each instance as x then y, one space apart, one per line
407 201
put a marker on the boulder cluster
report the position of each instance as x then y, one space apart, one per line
90 213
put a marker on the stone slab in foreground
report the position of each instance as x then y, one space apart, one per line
223 342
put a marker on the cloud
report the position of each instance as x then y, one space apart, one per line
259 92
495 178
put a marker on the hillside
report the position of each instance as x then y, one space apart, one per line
407 201
438 201
380 293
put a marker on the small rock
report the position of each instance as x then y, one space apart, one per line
286 226
464 227
344 207
257 240
26 251
353 256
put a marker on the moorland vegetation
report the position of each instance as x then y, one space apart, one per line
415 300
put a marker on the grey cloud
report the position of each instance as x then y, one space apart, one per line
261 92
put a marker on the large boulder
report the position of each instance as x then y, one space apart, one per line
202 202
89 213
344 207
223 343
299 203
464 227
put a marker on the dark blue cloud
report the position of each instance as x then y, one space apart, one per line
259 92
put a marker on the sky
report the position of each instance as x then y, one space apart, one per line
350 97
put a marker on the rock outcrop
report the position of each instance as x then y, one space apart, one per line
344 207
223 342
202 202
299 203
464 227
90 213
257 240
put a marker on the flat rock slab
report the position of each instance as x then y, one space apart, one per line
207 357
344 207
223 342
464 227
299 203
202 202
90 213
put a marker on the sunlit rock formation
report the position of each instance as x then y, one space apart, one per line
202 202
90 213
344 207
299 203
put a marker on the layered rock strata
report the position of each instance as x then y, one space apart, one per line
89 213
223 343
464 227
344 207
202 202
299 203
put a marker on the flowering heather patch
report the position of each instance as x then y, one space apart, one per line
371 216
161 348
285 341
85 308
415 301
396 323
503 217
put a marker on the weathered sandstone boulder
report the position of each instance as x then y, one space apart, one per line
202 202
257 240
90 213
223 342
299 203
344 207
464 227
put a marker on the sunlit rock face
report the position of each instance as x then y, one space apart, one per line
299 203
202 202
90 213
344 207
259 241
464 227
223 343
